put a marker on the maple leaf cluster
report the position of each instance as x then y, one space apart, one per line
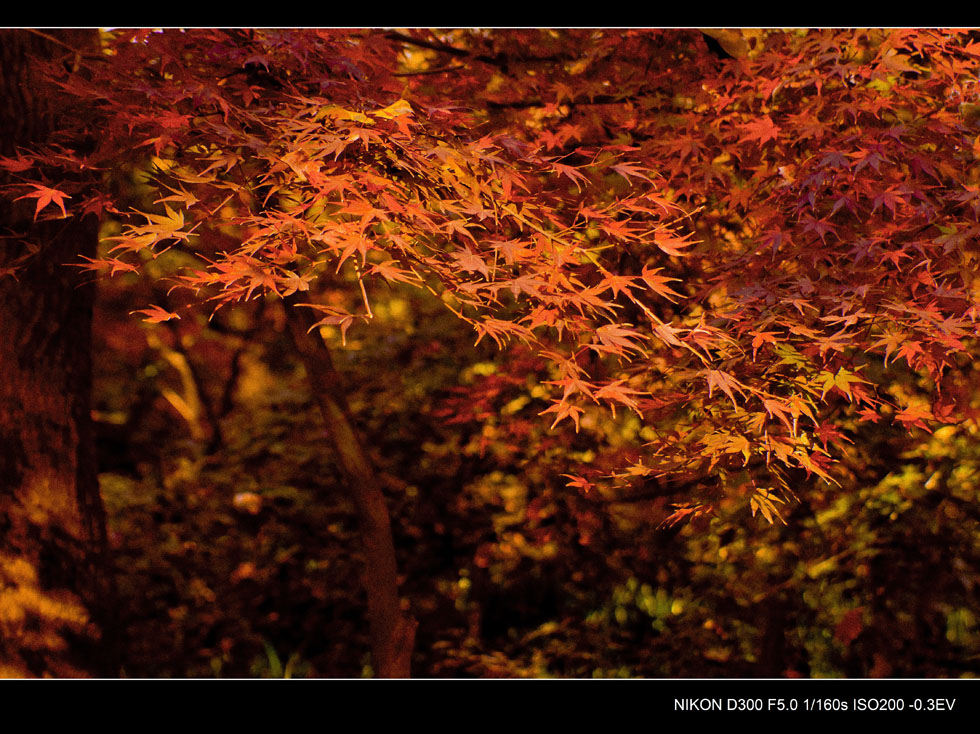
734 249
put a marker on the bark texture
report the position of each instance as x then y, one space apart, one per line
392 631
53 578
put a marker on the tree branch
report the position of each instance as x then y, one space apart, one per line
392 631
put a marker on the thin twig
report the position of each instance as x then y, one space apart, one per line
54 40
440 70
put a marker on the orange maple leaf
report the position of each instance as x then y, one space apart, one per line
45 196
155 314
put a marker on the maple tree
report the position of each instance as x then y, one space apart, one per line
733 250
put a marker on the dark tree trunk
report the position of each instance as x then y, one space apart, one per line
392 631
53 577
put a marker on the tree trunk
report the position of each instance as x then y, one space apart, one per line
392 631
53 579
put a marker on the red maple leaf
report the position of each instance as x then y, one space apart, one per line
45 196
761 129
